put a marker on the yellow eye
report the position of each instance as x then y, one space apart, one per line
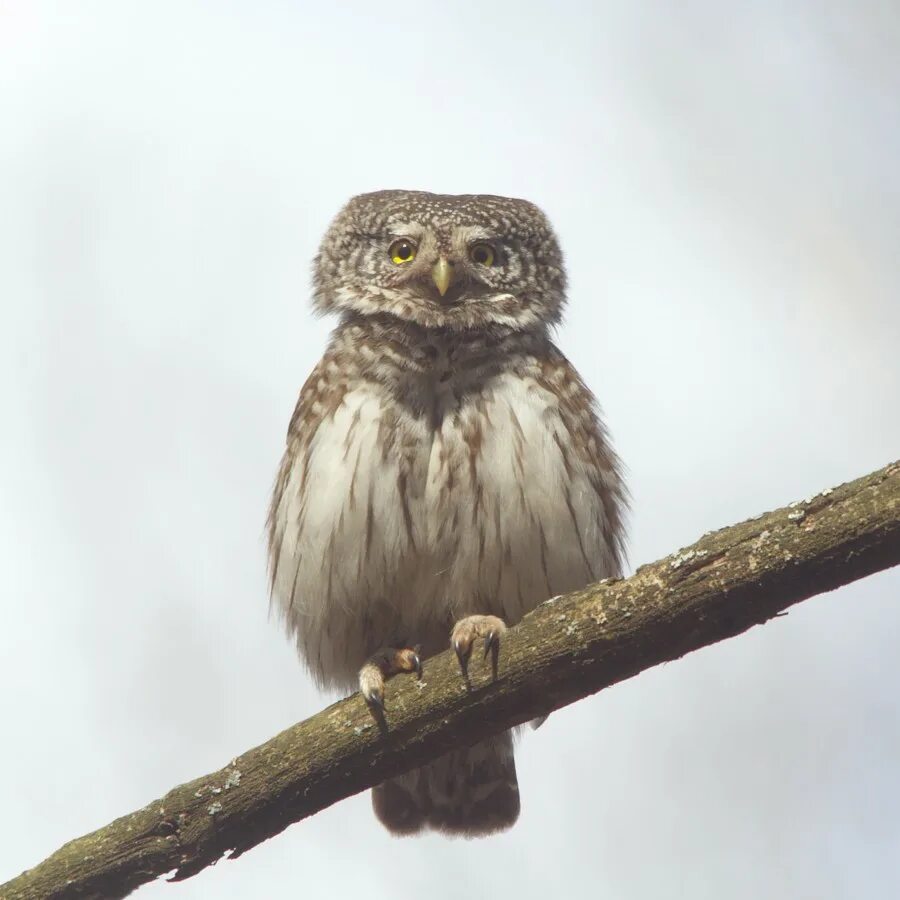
482 253
402 251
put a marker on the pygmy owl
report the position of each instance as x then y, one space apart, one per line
446 469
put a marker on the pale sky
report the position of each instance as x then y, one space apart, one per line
725 185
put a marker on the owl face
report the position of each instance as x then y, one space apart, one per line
441 261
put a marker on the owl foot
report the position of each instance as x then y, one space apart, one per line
466 631
382 665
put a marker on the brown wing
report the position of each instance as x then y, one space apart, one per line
321 394
590 444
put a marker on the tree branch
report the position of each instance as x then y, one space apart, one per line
568 648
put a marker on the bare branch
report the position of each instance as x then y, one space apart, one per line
568 648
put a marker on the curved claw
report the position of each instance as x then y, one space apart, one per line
375 700
492 646
462 654
417 665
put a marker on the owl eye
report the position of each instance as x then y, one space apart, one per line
482 253
402 251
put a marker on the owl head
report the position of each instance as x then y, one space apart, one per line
442 261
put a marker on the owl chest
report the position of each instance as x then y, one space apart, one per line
443 459
452 475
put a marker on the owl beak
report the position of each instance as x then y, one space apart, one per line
442 275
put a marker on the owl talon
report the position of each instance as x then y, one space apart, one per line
468 630
382 665
376 700
462 654
492 646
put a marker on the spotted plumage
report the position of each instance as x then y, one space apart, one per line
445 466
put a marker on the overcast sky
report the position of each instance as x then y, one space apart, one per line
724 179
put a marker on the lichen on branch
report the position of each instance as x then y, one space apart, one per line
568 648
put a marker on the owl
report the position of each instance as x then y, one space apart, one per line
446 469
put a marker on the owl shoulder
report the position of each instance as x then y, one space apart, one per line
320 397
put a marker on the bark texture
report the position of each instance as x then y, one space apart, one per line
568 648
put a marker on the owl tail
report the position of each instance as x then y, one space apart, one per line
468 792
